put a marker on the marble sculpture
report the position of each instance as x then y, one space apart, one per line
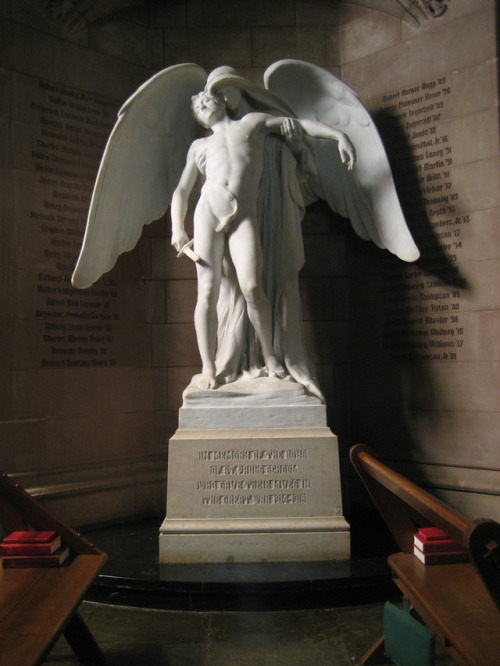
260 154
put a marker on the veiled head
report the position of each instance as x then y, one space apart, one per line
236 88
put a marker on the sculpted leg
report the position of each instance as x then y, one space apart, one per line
205 322
245 249
210 248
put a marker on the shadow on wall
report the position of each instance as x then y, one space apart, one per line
413 389
381 378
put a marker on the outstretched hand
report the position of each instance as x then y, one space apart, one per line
347 151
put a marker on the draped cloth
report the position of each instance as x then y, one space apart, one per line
280 212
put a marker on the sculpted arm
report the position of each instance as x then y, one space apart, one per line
318 130
180 199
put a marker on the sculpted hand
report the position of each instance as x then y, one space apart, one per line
179 239
347 151
292 133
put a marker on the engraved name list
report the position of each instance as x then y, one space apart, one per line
422 312
78 327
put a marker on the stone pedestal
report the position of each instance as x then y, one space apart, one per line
261 487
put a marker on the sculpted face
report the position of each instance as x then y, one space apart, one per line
208 108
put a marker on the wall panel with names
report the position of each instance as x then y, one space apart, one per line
424 317
61 140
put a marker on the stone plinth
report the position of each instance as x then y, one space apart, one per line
263 487
262 402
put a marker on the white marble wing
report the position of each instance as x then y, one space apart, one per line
366 195
140 167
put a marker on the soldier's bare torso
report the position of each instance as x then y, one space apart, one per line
232 158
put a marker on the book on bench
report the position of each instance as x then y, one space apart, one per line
23 561
30 543
442 558
433 546
31 548
434 540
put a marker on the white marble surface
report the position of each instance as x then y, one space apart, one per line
297 545
262 494
263 144
264 401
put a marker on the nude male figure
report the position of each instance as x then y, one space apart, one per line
231 160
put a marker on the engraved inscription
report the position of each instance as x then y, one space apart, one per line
222 471
423 318
72 127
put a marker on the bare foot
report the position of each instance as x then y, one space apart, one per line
225 378
275 369
205 380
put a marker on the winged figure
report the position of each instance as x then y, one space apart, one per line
262 153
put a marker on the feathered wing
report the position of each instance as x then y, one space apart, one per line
366 195
140 167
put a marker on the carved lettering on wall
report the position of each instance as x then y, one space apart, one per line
423 318
78 326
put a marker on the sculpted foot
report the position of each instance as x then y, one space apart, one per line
275 369
225 378
206 380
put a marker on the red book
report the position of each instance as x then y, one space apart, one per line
431 534
40 545
24 561
30 536
436 545
442 558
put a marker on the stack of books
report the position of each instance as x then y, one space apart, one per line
33 549
433 546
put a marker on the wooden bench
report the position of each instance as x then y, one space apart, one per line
38 604
460 603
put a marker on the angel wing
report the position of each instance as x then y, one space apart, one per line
140 167
367 194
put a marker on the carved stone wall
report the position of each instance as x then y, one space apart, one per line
91 381
425 376
80 401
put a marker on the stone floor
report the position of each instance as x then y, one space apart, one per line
143 637
142 616
132 636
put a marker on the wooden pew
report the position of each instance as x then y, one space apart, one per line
460 603
38 604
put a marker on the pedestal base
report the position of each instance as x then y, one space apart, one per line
267 494
254 541
263 402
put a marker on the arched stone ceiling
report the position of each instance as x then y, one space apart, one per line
414 10
75 14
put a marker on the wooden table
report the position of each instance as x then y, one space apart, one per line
38 604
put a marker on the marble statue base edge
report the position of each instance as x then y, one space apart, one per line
254 540
290 416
